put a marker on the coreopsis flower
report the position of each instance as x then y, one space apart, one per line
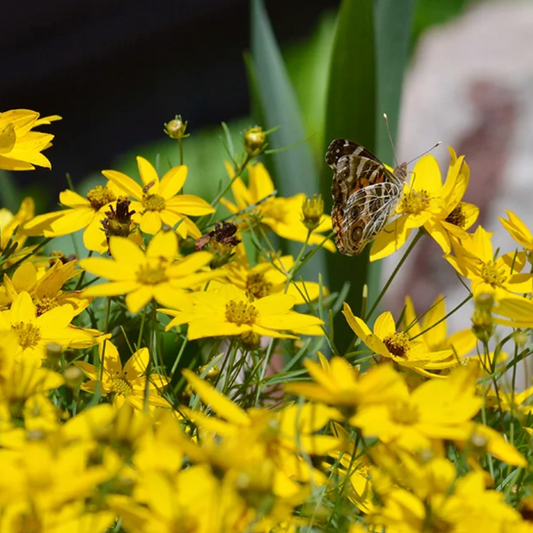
399 345
20 147
82 213
143 276
338 384
427 203
518 230
281 215
474 259
228 311
10 226
36 332
270 277
44 286
157 202
433 329
437 409
128 383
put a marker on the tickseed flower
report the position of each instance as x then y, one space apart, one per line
36 332
474 259
427 203
20 147
437 409
88 213
10 225
337 384
398 345
268 278
44 287
433 330
146 275
281 215
227 311
128 383
158 202
518 230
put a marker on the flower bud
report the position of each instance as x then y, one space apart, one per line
176 128
212 374
255 141
53 354
482 323
73 377
250 340
312 211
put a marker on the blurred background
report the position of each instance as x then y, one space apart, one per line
117 71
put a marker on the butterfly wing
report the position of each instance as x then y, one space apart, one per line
365 194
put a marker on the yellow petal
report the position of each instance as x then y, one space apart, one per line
149 175
126 184
151 222
164 244
173 181
125 251
138 298
137 364
188 204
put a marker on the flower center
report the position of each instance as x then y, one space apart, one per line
457 217
257 285
154 202
149 275
492 276
121 386
29 335
404 413
100 196
414 202
240 313
45 304
397 344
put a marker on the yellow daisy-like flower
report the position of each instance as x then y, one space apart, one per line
228 311
281 215
128 383
474 259
44 286
10 225
146 275
88 213
398 345
35 333
20 147
268 278
427 203
158 202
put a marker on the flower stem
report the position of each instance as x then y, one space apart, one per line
394 273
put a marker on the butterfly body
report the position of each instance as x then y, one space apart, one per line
365 194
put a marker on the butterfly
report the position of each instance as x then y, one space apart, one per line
365 194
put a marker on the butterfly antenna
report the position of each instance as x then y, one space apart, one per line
390 138
426 152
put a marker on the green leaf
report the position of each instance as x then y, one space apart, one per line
350 113
295 169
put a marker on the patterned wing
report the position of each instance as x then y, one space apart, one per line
365 194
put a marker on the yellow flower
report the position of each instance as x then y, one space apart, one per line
88 213
427 203
268 278
518 230
36 332
146 275
398 346
282 215
10 225
433 331
44 286
228 311
437 409
336 383
20 148
474 259
158 202
128 383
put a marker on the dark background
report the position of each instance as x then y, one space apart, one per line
116 71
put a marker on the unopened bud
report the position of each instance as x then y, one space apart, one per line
312 211
211 374
53 353
73 377
250 340
482 323
176 128
255 141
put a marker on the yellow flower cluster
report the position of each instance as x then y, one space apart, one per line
172 380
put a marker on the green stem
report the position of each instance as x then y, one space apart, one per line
394 273
181 151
